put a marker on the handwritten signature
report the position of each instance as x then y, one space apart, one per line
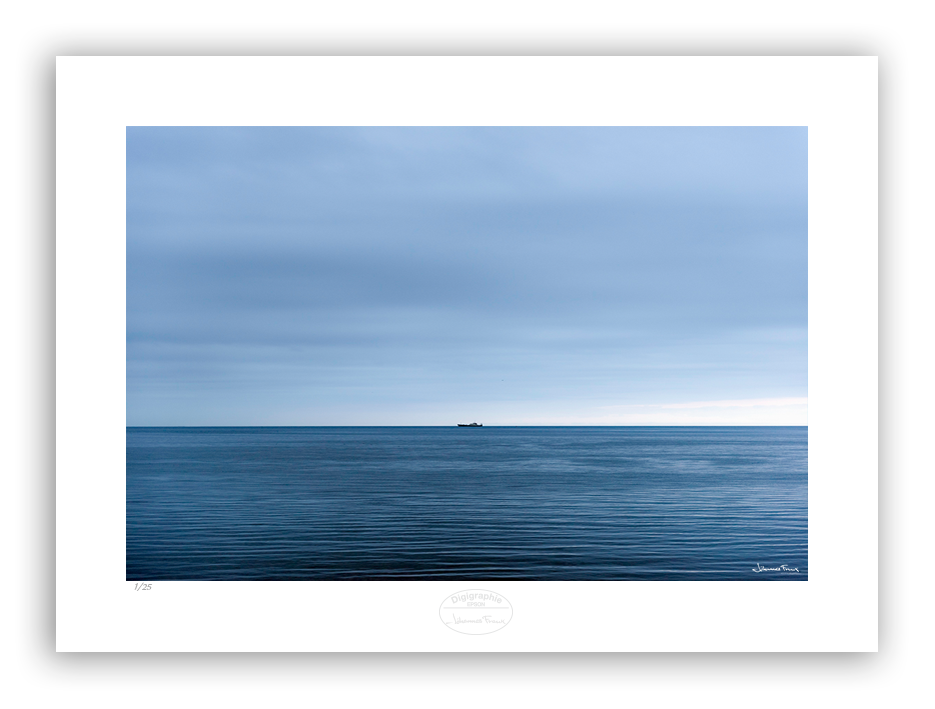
781 567
485 619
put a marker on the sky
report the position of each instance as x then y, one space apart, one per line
442 275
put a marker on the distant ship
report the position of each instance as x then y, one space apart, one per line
470 425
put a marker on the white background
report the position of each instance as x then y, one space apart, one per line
97 97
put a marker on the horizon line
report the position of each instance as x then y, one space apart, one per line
512 425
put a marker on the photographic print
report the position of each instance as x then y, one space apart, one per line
467 354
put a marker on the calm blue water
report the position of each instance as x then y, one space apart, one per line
468 504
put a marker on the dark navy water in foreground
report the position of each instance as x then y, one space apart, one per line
562 503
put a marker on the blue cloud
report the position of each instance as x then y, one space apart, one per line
319 275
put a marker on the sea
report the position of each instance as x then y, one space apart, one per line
467 504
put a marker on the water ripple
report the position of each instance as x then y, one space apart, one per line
455 504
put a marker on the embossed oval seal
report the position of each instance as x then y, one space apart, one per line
475 611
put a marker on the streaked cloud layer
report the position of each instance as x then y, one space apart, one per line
431 275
